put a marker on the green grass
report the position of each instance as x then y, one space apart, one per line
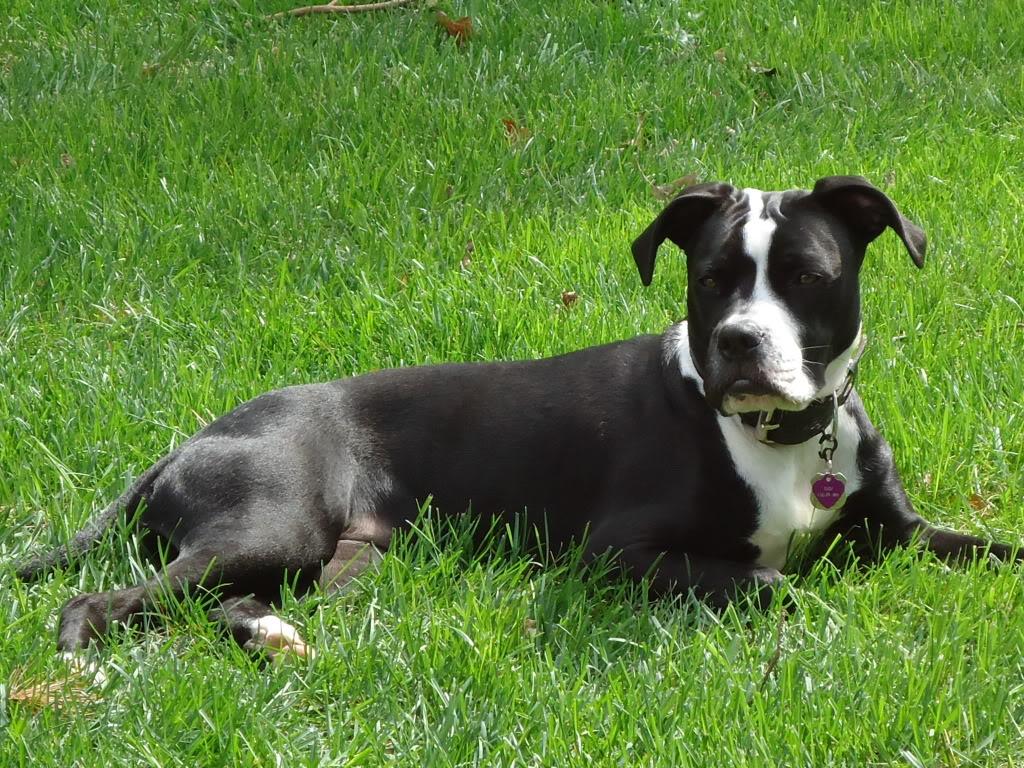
197 205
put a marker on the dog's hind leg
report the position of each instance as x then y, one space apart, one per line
253 623
351 558
86 618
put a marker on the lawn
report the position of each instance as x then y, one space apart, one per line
198 204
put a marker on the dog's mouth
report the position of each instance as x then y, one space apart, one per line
744 387
749 393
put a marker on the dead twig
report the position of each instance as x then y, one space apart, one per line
333 7
773 661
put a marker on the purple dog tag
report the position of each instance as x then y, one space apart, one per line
828 490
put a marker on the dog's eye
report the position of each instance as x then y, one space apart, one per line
808 278
708 282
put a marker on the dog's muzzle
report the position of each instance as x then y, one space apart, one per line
755 366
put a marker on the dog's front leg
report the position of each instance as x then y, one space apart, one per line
951 545
714 580
881 517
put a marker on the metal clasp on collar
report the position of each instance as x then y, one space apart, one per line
764 426
828 440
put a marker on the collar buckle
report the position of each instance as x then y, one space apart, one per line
764 426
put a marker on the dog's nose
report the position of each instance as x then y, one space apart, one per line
739 340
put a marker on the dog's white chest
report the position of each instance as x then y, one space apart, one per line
780 477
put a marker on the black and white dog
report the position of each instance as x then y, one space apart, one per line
693 457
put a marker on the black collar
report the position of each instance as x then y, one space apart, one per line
795 427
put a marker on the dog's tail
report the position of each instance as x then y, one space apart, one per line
94 529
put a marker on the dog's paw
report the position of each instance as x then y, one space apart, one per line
755 587
84 668
762 586
278 639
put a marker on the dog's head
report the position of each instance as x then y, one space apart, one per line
773 297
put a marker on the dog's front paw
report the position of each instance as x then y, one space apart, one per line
759 585
762 585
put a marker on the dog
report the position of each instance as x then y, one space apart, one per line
692 458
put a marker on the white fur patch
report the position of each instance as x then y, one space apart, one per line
780 475
781 350
835 372
758 230
277 636
679 343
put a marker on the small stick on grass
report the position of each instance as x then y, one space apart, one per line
773 661
333 7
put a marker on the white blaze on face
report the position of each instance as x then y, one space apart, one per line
781 354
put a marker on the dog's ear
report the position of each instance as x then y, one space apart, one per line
868 211
679 222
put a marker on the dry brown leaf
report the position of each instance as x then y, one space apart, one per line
514 131
569 298
53 694
461 29
666 191
978 502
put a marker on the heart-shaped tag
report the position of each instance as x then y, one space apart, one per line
828 490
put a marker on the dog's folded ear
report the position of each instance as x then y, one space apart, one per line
868 211
679 222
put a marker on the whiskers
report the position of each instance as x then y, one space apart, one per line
813 369
812 363
814 347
